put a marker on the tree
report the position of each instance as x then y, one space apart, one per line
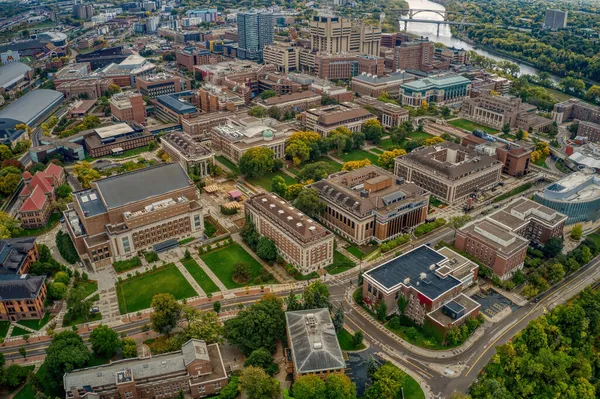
8 226
300 145
267 94
14 375
274 113
309 387
128 348
62 277
372 130
316 171
402 304
433 140
23 352
357 339
258 385
308 202
66 353
586 254
358 139
166 312
64 191
338 319
339 386
388 158
204 326
353 165
258 112
506 128
556 273
5 152
9 183
256 161
77 304
445 111
593 94
85 173
522 135
387 381
113 89
316 296
217 307
266 249
241 272
105 341
291 302
459 221
260 326
553 247
56 291
572 85
278 186
381 311
577 232
262 358
293 190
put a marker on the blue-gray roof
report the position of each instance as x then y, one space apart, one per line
90 202
10 73
438 83
410 266
393 77
173 102
30 108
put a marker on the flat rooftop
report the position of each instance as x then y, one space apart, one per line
495 236
578 186
113 130
518 212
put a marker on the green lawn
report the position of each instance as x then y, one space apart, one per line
25 393
89 286
470 126
420 339
67 321
124 265
376 150
207 285
420 135
18 332
36 324
345 340
387 145
52 222
359 155
222 260
209 229
340 263
136 293
412 389
354 250
335 165
435 201
541 163
266 178
4 326
230 165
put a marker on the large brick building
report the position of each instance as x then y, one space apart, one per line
37 195
346 66
371 203
449 171
515 157
390 115
128 106
300 241
327 118
432 282
589 130
191 154
91 88
295 101
575 109
120 215
417 55
500 240
161 83
374 86
197 370
115 139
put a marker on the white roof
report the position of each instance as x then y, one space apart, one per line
114 130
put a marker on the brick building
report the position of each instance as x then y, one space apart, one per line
213 98
334 35
285 56
190 57
191 154
575 109
314 348
197 369
390 115
515 157
432 282
449 171
37 195
128 106
346 66
327 118
176 107
199 127
150 208
296 101
115 139
589 130
372 85
370 203
91 88
417 55
17 255
299 240
161 83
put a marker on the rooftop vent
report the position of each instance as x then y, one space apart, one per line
407 281
312 228
423 276
264 200
298 224
432 267
272 206
289 218
280 211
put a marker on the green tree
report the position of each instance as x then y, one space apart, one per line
8 226
586 254
339 386
572 85
459 221
338 319
204 326
521 135
66 353
381 311
9 183
266 249
577 232
316 296
387 381
316 171
262 358
278 186
217 307
506 128
258 112
445 111
357 339
267 94
258 385
372 130
77 304
291 302
309 387
105 341
241 272
553 247
23 352
166 313
308 202
56 291
62 277
402 304
5 152
593 94
256 161
128 348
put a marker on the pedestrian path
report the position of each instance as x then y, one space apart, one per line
189 278
238 239
210 273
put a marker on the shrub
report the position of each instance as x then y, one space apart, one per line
228 211
151 257
66 248
396 242
425 228
124 265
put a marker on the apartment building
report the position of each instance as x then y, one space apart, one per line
115 139
344 66
325 119
515 157
497 111
284 56
197 369
368 85
438 90
161 83
449 171
416 55
371 203
243 132
91 88
150 208
128 106
335 35
297 102
451 55
314 348
299 239
432 282
390 115
575 109
191 155
255 31
37 195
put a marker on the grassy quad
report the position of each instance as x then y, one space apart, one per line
359 155
265 180
136 293
203 280
340 263
346 344
36 324
227 163
470 126
221 263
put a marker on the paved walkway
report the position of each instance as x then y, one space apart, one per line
275 272
189 278
108 304
210 273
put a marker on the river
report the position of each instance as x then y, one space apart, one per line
445 37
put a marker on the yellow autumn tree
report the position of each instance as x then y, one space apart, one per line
298 145
543 148
386 159
352 165
433 141
85 173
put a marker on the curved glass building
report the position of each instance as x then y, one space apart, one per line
576 195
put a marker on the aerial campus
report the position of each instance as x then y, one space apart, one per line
299 199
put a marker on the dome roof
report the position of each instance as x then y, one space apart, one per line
268 134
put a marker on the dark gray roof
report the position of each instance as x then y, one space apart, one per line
20 286
11 72
314 349
410 266
173 102
13 253
90 202
31 106
141 184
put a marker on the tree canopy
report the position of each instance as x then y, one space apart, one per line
256 161
308 201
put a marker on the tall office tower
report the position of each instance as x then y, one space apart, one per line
556 19
83 11
335 35
255 30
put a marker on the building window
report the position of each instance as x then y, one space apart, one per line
126 245
197 221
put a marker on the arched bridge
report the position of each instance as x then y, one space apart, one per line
414 11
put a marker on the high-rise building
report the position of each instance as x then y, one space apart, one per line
152 24
556 19
255 30
335 35
417 55
83 11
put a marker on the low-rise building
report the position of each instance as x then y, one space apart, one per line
161 83
72 72
314 348
431 281
390 115
191 155
296 102
575 109
197 370
299 240
128 106
212 98
589 130
91 88
371 204
37 195
449 171
327 118
372 85
14 76
438 90
115 139
17 255
515 157
200 127
174 107
150 208
190 57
